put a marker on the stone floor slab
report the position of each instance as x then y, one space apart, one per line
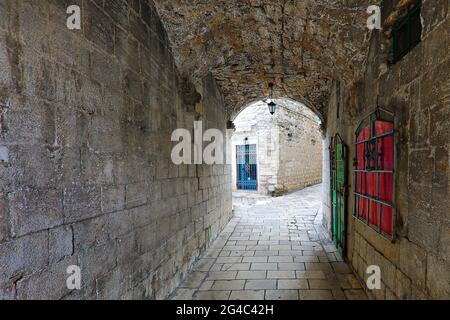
228 285
247 295
260 284
316 295
252 275
281 275
282 295
293 284
212 295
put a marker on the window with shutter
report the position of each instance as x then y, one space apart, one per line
407 32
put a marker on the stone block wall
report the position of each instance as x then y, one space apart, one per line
300 149
85 174
416 264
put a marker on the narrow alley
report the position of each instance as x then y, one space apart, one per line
273 249
210 149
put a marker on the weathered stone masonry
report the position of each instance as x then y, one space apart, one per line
416 265
89 180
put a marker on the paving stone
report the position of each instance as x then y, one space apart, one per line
229 260
207 285
282 295
281 275
255 259
216 267
235 248
251 275
304 259
264 266
247 295
320 284
281 259
291 266
228 285
316 295
260 284
290 253
280 247
212 295
318 266
236 266
293 284
242 253
268 242
310 274
266 253
222 275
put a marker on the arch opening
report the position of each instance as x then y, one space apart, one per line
273 155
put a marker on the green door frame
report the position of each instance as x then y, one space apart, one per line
339 192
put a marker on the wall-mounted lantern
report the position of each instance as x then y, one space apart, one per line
272 105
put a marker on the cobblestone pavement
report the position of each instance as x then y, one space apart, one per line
273 249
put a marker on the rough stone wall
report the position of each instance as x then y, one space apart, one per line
289 145
298 45
300 149
85 171
417 263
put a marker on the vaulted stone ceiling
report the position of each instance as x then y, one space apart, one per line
300 45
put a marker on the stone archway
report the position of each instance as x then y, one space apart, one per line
287 147
300 46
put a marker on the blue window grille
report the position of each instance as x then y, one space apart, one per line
246 163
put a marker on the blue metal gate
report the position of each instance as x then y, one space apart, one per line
246 167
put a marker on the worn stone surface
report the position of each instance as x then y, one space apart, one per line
299 45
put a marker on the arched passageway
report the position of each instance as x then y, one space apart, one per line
275 247
87 177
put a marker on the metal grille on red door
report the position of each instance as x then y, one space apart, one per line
374 174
